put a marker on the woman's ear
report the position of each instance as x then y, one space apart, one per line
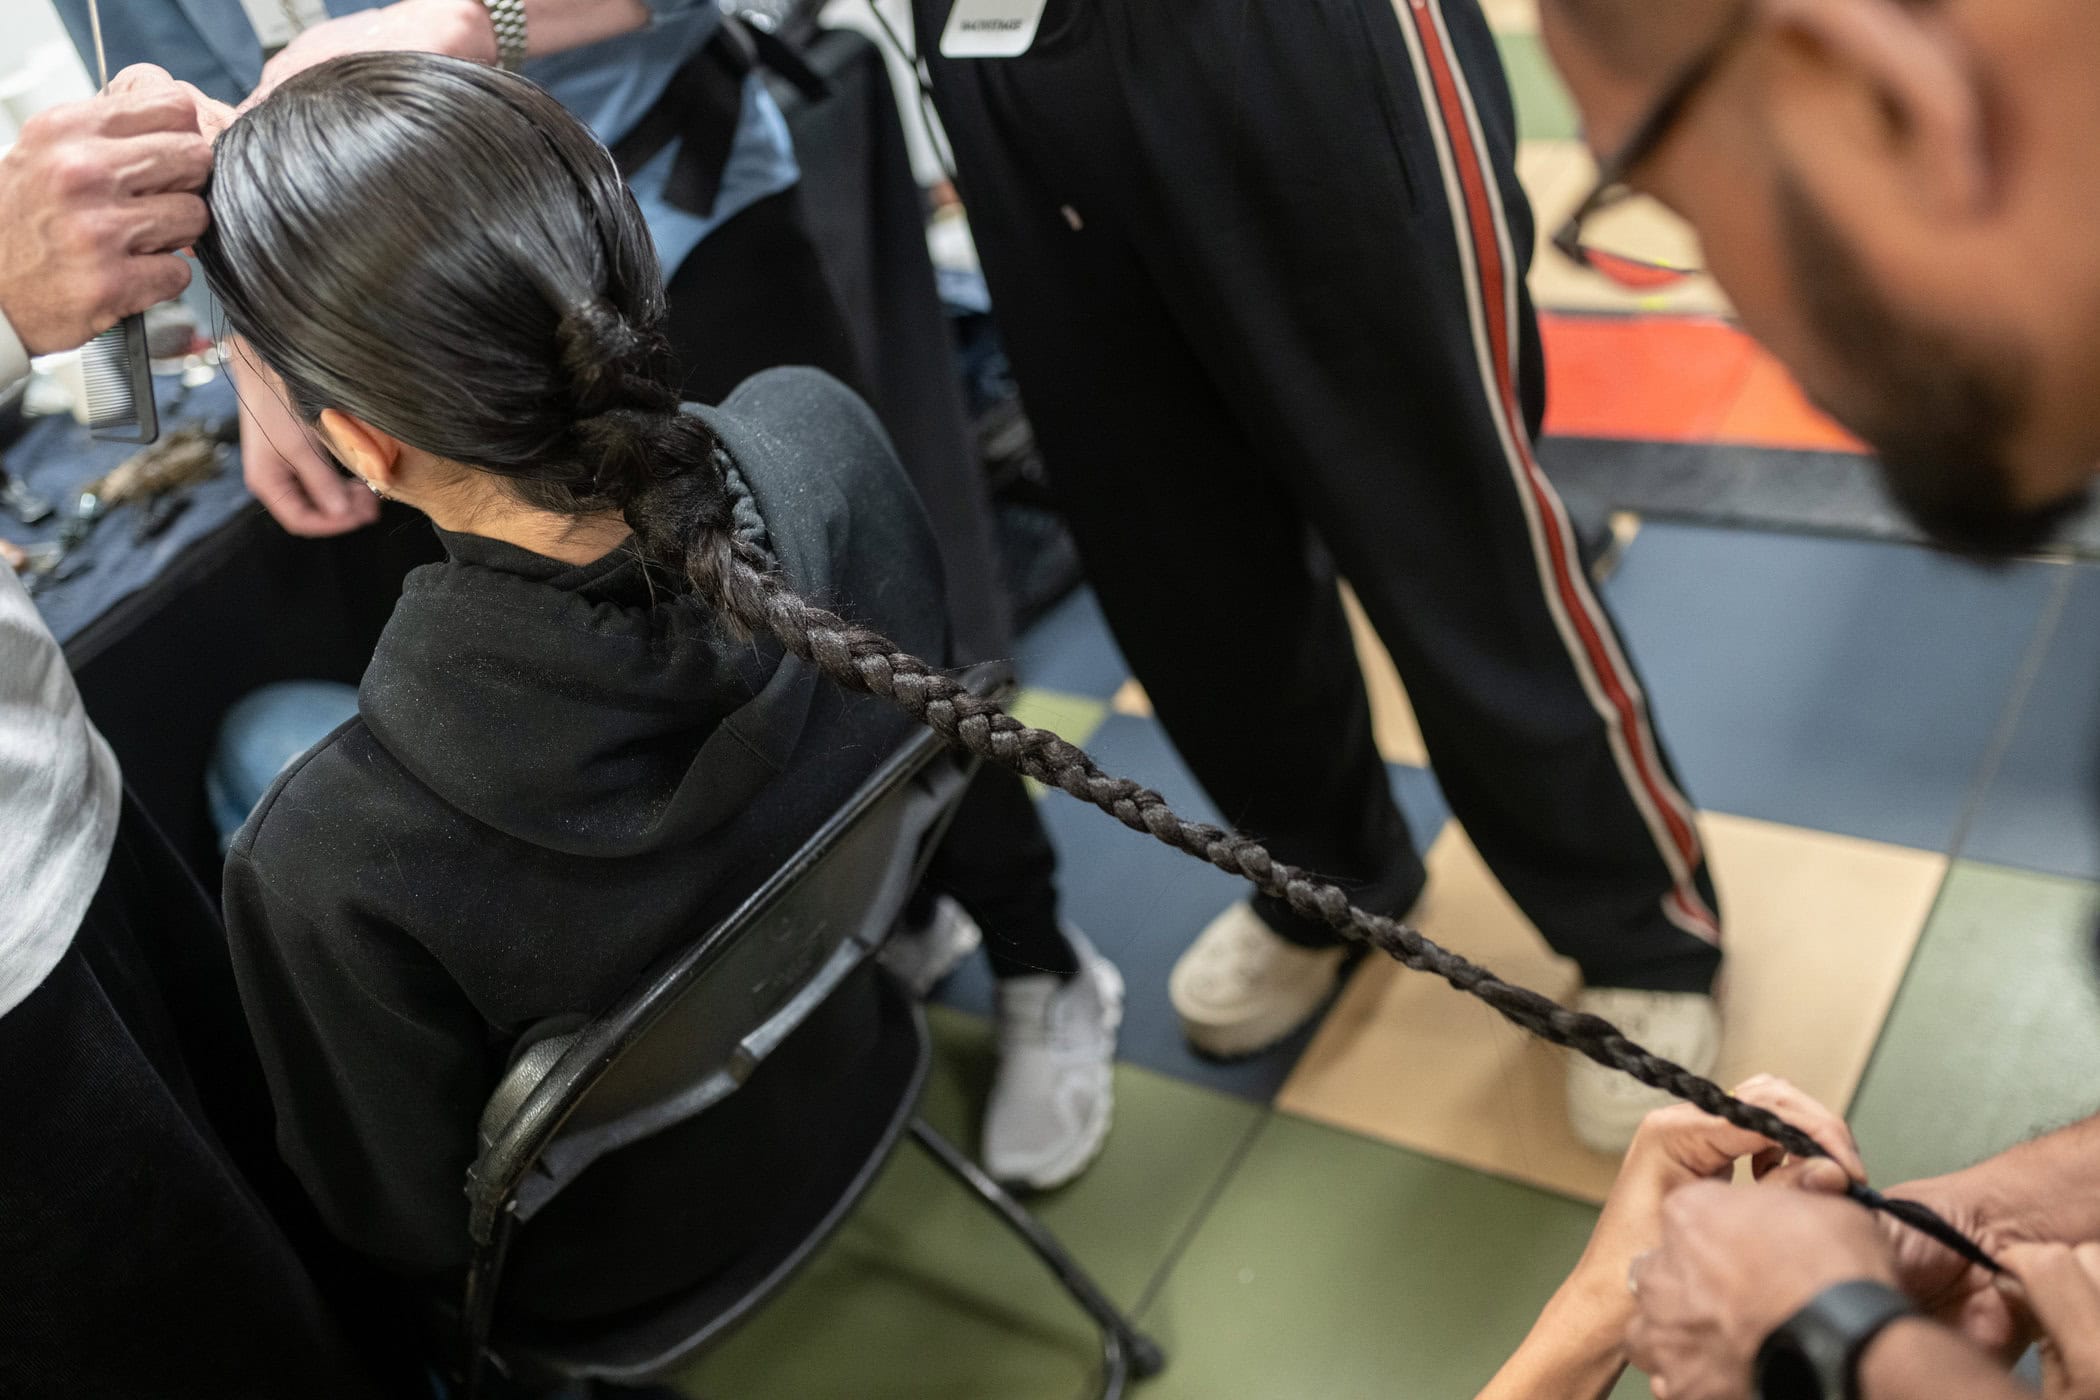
371 454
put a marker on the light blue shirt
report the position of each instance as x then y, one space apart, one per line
610 85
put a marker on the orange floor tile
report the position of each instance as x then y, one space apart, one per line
1773 412
1675 379
1643 378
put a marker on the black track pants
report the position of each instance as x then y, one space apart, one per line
755 294
1260 266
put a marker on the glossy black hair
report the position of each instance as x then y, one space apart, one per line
440 249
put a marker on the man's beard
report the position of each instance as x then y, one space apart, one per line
1941 414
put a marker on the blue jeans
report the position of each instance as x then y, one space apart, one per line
260 737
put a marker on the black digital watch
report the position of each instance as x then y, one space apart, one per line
1814 1355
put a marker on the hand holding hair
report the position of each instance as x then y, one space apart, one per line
2059 1284
1578 1345
98 197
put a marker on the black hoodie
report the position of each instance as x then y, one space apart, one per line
556 774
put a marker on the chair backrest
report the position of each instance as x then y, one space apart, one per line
695 1029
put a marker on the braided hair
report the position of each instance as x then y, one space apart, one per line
506 312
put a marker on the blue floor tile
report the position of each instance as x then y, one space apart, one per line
1142 903
1842 685
2042 811
1071 650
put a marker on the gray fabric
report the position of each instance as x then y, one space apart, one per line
60 796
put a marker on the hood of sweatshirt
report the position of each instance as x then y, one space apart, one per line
598 710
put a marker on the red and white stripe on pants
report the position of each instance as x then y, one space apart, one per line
1482 233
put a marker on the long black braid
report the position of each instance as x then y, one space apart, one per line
736 577
440 250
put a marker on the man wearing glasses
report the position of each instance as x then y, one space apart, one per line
1896 195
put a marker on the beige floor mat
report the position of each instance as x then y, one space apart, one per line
1820 930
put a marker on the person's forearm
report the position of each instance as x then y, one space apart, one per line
1576 1350
1919 1360
463 28
555 26
2048 1189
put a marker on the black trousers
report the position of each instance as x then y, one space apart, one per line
756 294
1260 268
143 1259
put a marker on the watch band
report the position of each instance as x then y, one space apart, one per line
507 17
1814 1355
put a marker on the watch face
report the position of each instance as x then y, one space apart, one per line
1785 1374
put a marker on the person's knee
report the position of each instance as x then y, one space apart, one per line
263 732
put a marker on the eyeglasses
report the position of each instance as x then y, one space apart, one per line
1634 262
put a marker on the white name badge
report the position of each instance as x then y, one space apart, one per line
991 28
278 22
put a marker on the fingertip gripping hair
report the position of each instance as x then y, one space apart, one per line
440 250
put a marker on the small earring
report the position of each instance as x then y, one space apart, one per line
373 487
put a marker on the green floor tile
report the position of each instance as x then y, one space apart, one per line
1995 1036
1544 110
924 1297
1073 718
1335 1268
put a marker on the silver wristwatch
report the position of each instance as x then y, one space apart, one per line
508 19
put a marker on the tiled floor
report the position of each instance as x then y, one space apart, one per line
1279 1257
1897 751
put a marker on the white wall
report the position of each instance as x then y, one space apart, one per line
853 14
37 64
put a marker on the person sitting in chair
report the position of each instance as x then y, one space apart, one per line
567 758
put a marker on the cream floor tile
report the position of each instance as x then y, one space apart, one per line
1392 717
1512 16
1820 930
1555 174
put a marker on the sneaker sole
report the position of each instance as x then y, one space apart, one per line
1235 1044
1089 1145
1609 1130
1071 1167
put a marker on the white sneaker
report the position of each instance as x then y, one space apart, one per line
922 957
1054 1094
1605 1106
1241 986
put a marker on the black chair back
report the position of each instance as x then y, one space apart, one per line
698 1026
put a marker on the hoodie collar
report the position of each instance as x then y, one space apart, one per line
596 709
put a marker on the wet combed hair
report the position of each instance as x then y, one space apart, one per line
441 250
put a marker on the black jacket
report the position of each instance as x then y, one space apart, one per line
556 774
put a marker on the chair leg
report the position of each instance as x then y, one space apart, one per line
1125 1351
478 1307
